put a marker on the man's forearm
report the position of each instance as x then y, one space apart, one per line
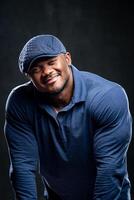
24 184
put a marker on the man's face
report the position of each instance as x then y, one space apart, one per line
51 75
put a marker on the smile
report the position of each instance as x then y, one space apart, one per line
51 79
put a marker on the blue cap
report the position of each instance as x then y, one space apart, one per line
38 47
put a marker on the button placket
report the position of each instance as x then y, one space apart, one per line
61 131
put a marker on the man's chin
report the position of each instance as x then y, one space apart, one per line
55 92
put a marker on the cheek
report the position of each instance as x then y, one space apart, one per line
66 72
35 80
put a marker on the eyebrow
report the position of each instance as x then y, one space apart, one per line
51 59
44 59
47 59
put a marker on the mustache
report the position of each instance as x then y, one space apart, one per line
49 77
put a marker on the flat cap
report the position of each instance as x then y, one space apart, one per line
38 47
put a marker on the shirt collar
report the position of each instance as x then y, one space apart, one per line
79 93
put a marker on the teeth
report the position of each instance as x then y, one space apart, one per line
51 77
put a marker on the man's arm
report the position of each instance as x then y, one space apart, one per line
111 141
22 148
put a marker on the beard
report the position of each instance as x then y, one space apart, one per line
58 90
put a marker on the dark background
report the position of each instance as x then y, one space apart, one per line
99 35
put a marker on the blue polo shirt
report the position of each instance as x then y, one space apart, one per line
81 150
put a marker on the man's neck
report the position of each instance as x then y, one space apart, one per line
63 98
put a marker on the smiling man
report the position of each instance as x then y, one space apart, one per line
75 124
53 76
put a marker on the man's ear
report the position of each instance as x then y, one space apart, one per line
68 58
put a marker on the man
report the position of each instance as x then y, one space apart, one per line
75 123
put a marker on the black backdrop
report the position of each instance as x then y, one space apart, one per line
99 35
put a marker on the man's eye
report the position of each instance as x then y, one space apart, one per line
51 63
35 70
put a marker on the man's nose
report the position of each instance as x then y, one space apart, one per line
46 70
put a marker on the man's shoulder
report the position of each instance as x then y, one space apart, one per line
98 83
99 88
21 94
25 87
104 95
20 103
22 90
93 86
